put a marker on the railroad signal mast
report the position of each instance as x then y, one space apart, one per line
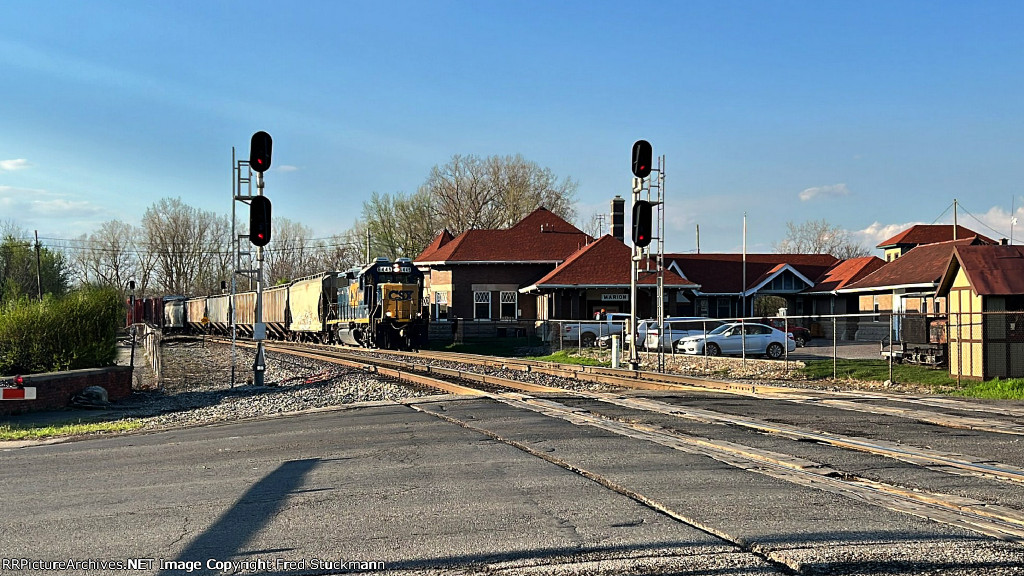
259 234
648 193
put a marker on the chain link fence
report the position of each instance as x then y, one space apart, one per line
901 337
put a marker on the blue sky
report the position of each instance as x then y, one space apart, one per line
870 115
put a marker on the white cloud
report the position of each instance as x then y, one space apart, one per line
995 223
12 165
878 232
834 190
29 203
287 168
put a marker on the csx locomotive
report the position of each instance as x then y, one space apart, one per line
379 305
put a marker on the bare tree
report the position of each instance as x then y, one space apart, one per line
342 251
466 193
293 254
521 187
820 237
593 226
109 257
189 247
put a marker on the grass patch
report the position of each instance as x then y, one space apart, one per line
995 389
565 357
938 379
8 432
878 371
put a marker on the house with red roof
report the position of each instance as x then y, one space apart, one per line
984 288
920 234
906 284
729 284
597 277
825 297
477 275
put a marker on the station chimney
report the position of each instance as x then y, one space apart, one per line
619 218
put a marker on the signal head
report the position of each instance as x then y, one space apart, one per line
260 148
642 223
259 221
642 158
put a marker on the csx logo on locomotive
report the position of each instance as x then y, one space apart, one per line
400 295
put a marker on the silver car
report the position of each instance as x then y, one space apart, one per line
737 337
676 328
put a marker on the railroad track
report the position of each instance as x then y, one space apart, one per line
1002 522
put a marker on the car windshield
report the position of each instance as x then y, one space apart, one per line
722 328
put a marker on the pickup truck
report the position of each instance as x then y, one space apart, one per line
586 332
800 334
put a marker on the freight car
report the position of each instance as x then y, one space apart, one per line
195 311
174 314
380 305
310 307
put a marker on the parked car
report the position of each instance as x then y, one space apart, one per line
587 332
735 337
641 329
676 328
800 334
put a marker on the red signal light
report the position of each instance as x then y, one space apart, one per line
260 147
19 380
643 156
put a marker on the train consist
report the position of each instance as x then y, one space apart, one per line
379 305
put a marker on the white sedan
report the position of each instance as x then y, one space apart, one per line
736 337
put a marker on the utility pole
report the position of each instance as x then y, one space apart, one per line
39 275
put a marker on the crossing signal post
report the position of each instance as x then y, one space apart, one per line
260 149
642 158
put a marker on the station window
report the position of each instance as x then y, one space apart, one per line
509 304
482 305
441 306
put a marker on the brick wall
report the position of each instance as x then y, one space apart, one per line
56 389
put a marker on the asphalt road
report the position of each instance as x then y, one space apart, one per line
461 485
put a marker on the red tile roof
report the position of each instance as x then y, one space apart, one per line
540 237
991 270
603 263
723 273
845 273
922 266
930 234
440 240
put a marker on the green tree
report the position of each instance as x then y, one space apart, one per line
18 270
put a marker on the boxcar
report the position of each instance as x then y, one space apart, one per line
135 312
153 311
